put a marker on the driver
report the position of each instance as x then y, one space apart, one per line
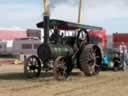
55 37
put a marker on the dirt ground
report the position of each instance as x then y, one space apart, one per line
13 83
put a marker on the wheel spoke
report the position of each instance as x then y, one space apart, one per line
95 49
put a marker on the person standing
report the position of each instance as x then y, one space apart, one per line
105 62
116 62
123 48
123 53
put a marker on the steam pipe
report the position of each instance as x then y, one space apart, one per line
46 22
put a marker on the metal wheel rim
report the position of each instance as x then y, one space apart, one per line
59 68
32 67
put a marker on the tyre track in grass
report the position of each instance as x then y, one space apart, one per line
82 89
113 88
68 87
78 88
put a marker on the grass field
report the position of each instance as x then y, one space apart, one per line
13 83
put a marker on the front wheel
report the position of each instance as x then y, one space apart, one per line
32 67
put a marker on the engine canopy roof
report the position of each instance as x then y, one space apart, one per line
65 25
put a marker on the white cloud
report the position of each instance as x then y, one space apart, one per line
101 10
65 13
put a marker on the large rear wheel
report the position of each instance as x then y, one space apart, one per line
89 60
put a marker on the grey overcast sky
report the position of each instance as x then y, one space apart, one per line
112 15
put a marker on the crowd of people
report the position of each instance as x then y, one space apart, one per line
120 58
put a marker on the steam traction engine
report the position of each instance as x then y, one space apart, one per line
67 51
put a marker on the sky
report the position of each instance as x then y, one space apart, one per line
112 15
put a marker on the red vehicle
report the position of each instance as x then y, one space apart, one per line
98 37
117 38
